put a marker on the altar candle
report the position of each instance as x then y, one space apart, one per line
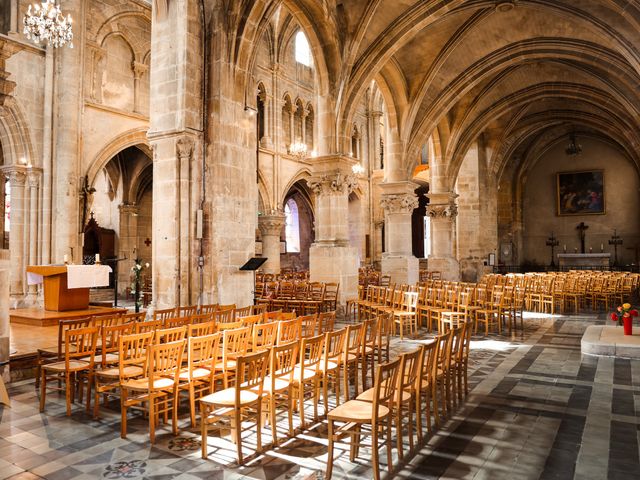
66 258
97 258
602 247
590 249
575 249
565 248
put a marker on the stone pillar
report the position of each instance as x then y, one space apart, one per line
67 141
4 321
139 69
127 247
33 178
17 179
398 202
331 257
443 211
271 227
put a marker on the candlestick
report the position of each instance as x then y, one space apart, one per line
575 250
601 247
590 249
97 258
565 248
65 258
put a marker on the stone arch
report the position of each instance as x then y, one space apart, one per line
136 137
300 178
15 135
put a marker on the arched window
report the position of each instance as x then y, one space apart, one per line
292 226
260 103
308 128
303 50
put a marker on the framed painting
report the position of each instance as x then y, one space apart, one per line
580 193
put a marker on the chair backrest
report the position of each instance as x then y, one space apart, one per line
165 359
282 362
410 364
301 290
311 352
287 315
235 342
259 309
79 343
250 320
316 291
241 312
134 317
111 337
385 280
308 325
133 351
334 346
331 290
223 316
187 311
274 315
176 322
209 308
65 325
230 306
203 351
168 335
201 318
409 301
108 320
326 322
355 338
251 370
443 357
220 327
201 329
286 289
289 330
163 314
428 364
385 386
264 336
148 326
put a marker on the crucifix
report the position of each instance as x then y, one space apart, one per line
147 242
552 242
615 241
582 228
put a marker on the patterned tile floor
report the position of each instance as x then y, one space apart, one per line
538 409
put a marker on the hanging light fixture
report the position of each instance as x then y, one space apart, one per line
357 169
298 150
44 22
573 148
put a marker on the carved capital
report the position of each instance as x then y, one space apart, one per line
333 184
448 211
402 203
139 69
271 225
33 177
17 174
128 208
184 148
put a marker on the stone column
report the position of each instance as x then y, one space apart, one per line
67 142
398 202
443 211
127 243
33 178
4 321
139 69
17 179
331 257
271 227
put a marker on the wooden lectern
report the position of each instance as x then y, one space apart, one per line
57 297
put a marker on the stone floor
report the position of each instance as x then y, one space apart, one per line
538 409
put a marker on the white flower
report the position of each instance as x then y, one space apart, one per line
139 267
146 264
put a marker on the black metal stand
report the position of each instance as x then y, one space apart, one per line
552 242
252 265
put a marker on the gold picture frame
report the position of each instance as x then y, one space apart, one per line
580 193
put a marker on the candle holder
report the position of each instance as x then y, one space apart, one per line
615 241
552 242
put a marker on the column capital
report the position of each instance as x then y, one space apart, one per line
128 208
139 69
33 176
184 147
399 203
271 224
442 205
17 174
333 174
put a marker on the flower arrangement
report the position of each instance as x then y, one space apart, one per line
623 311
136 282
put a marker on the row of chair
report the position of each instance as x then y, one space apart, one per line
301 296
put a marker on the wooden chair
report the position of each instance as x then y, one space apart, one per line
264 336
198 378
134 317
441 392
277 388
164 314
235 402
307 374
176 322
234 344
221 327
406 315
369 348
209 308
56 353
242 312
259 309
168 335
250 321
326 322
223 316
148 326
272 315
356 413
331 364
79 343
330 301
308 325
490 314
288 330
158 392
132 363
315 298
110 336
187 311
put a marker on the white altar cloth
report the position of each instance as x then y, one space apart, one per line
79 276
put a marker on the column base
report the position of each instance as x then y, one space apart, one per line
331 263
404 269
448 267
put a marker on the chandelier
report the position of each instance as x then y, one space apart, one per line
573 148
357 169
44 22
298 150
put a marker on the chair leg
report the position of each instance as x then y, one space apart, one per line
301 402
290 399
43 389
204 413
272 415
152 418
68 392
375 461
410 428
192 404
237 434
330 451
259 428
399 439
123 413
355 441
